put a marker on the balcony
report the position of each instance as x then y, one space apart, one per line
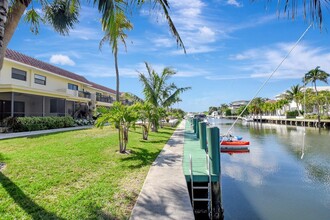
102 98
84 94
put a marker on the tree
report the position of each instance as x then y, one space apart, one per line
120 116
63 14
212 109
255 106
295 94
222 109
58 13
313 76
158 92
240 112
3 18
146 112
113 35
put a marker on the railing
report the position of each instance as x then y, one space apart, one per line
83 94
102 98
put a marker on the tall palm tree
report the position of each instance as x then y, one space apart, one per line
295 94
58 13
158 92
313 76
3 18
114 34
63 14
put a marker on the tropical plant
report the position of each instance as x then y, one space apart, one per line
158 92
280 104
113 35
222 109
295 94
255 106
58 13
63 14
212 109
313 8
120 116
3 18
240 112
313 76
145 111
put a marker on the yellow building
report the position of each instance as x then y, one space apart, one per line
30 87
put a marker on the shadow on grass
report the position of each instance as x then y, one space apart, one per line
26 203
154 142
141 157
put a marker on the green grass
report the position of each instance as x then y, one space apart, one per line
75 175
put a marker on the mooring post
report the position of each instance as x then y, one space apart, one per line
197 128
213 141
202 134
194 124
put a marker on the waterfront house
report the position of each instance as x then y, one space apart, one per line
30 87
233 106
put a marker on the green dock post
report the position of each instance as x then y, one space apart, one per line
214 149
202 134
194 124
197 128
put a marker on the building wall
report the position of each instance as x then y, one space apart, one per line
32 94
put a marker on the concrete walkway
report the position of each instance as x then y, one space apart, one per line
34 133
164 194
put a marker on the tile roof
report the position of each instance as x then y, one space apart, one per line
19 57
97 86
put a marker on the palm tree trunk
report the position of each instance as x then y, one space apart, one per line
318 107
117 74
3 18
13 18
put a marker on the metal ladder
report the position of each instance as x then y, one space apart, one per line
208 187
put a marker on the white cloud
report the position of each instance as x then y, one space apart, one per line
234 3
261 62
61 59
198 31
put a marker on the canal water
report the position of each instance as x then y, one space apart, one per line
284 176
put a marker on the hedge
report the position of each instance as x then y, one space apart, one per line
39 123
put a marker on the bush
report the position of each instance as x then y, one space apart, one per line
38 123
292 114
84 122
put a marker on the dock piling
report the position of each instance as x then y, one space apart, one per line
202 134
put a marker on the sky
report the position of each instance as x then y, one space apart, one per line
232 48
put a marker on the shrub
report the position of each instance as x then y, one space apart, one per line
292 114
84 122
38 123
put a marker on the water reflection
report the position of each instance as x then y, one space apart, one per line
274 181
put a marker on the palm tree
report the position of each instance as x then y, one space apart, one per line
114 33
295 94
313 76
59 14
256 107
3 18
158 92
63 14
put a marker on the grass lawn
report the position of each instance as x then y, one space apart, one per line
75 175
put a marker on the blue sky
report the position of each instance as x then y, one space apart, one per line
232 47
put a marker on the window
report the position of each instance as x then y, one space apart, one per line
72 86
57 106
39 79
18 74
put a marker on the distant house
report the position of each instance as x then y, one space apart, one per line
292 106
30 87
215 113
233 106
